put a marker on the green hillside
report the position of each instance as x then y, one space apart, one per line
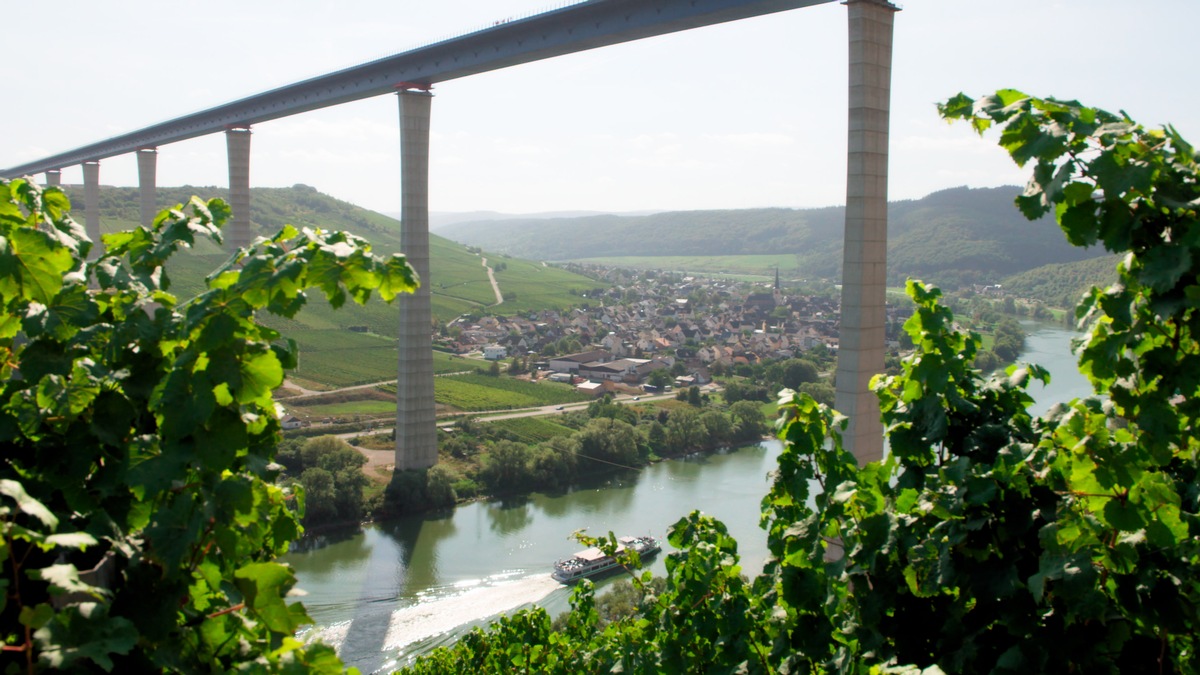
952 237
330 353
1061 285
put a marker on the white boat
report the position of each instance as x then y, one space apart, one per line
592 562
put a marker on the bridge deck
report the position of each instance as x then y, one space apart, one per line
575 28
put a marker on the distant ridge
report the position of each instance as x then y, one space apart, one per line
440 219
952 237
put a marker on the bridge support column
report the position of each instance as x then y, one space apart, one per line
237 144
147 161
864 267
416 430
54 177
91 205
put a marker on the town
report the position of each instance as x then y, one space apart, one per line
694 328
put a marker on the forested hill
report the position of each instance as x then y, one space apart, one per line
959 235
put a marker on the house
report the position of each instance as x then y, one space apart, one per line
494 352
590 388
569 363
291 422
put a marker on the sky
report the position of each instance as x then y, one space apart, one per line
739 115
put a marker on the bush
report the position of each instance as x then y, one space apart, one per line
139 431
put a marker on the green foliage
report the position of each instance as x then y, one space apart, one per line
331 473
988 541
138 514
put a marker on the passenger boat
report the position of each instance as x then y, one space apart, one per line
592 562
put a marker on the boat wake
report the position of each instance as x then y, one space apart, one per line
437 615
429 619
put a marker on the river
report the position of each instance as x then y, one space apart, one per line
393 590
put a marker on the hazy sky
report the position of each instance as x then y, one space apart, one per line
745 114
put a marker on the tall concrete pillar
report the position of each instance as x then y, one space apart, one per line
54 177
237 143
147 168
416 430
91 205
864 264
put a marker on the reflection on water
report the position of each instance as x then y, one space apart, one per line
508 517
400 588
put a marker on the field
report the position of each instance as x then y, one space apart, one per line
482 392
533 429
341 358
529 286
444 363
351 408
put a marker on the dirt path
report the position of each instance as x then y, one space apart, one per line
309 393
492 278
380 463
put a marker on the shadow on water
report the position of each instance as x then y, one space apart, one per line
412 568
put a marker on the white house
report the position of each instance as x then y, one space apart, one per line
494 352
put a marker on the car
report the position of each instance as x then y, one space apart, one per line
637 398
559 408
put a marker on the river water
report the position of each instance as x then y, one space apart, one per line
390 591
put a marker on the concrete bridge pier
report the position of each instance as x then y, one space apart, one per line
147 161
416 430
54 177
864 266
91 205
237 144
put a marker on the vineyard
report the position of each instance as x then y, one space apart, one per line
481 392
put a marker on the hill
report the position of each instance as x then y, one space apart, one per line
952 237
331 354
1061 285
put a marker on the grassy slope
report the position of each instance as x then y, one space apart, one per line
330 354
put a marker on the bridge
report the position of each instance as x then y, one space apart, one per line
576 27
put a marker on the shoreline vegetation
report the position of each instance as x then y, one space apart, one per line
516 456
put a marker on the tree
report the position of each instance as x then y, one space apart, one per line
683 431
717 428
138 514
799 371
659 377
608 440
505 467
439 486
320 495
988 540
748 420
